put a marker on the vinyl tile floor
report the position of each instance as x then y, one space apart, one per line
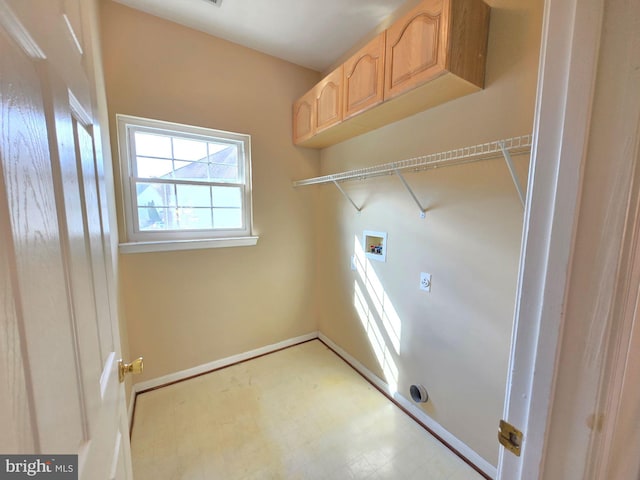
300 413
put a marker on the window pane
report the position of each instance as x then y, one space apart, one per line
223 160
151 199
194 218
186 149
224 173
194 196
155 195
153 218
153 168
151 145
227 218
227 197
191 170
223 151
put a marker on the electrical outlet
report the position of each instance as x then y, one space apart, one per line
353 263
425 281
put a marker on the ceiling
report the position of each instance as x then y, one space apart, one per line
310 33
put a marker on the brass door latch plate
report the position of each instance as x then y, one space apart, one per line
510 437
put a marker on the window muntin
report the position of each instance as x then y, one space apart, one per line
184 182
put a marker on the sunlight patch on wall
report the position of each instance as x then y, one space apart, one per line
374 308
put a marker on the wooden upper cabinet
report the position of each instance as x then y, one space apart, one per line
304 117
328 94
435 38
364 78
434 53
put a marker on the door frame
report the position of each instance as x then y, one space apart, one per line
571 41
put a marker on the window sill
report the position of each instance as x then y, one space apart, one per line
174 245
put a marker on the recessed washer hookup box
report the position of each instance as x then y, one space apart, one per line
374 245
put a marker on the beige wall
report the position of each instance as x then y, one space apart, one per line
187 308
456 339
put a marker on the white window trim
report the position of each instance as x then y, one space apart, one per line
167 246
140 242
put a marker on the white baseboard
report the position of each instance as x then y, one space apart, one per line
420 415
223 362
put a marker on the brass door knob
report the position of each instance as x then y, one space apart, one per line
134 368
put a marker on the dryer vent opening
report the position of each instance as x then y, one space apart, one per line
418 393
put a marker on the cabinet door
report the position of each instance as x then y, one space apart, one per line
416 47
364 78
329 100
304 117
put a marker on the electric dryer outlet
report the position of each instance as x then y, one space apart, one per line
425 281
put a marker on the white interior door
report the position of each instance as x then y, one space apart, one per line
59 389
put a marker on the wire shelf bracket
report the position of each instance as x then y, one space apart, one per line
346 195
500 148
512 171
423 211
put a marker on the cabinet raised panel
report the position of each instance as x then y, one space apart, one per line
364 77
414 49
329 100
304 117
436 38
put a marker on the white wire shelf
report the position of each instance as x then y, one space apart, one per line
483 151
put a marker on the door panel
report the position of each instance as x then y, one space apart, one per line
44 23
73 21
91 204
15 406
74 244
66 183
40 272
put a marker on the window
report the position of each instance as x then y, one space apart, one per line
184 187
